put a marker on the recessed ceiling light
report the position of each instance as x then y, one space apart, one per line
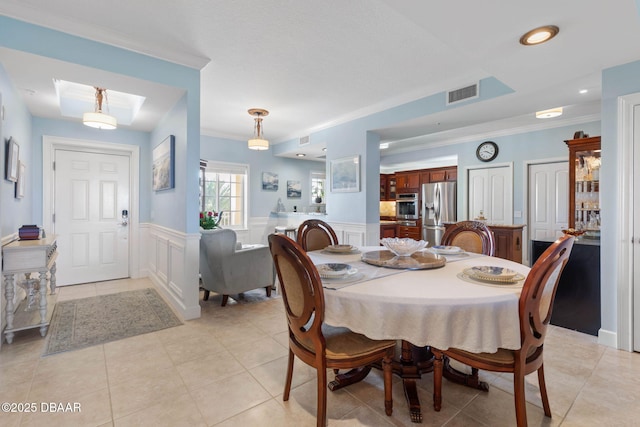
324 149
547 114
300 155
384 145
584 90
539 35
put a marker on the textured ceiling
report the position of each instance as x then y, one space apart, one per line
313 64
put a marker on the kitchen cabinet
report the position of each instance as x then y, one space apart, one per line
387 187
508 239
577 303
584 183
387 230
408 182
449 174
412 231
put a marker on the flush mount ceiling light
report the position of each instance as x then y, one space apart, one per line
258 142
300 155
547 114
98 119
384 145
539 35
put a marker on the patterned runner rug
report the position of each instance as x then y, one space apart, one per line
97 320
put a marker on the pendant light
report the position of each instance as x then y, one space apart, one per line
98 119
258 142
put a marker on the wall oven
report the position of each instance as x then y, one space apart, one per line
407 206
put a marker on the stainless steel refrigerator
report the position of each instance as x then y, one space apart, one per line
438 206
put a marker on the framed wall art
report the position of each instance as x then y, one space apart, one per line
12 158
294 189
345 175
269 181
164 164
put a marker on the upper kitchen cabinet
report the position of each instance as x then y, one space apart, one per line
408 182
584 184
387 187
449 174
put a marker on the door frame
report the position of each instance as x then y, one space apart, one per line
525 200
52 143
624 245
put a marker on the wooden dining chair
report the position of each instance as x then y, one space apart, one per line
314 234
472 236
535 306
310 339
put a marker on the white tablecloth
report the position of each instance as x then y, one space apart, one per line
427 307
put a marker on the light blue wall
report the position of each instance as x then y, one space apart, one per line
30 38
517 148
358 137
16 124
74 129
616 82
262 202
165 205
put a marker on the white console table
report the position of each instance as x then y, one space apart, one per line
29 256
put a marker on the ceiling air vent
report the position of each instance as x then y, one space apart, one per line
304 140
462 94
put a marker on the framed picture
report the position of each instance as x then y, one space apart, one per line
345 175
11 168
294 189
269 181
164 164
21 181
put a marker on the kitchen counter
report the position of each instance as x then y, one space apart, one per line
581 240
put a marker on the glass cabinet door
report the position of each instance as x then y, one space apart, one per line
584 184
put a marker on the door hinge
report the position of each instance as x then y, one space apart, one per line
53 218
54 166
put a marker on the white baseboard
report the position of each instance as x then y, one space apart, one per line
608 338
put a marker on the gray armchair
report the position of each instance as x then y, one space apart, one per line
227 270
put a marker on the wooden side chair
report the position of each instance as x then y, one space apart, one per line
472 236
310 339
314 234
535 306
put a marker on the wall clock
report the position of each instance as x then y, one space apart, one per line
487 151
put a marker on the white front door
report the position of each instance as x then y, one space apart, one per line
548 199
491 192
91 191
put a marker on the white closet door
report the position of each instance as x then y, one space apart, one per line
548 199
491 191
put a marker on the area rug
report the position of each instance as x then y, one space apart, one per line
97 320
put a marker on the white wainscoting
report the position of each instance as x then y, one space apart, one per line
172 260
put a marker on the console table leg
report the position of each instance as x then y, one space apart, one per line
52 279
9 293
43 298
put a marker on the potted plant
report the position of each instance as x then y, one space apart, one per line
210 220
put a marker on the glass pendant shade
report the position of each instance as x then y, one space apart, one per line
258 142
98 119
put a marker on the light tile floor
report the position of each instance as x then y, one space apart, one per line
228 369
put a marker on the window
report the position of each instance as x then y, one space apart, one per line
318 180
223 188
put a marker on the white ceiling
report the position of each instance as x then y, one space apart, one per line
313 64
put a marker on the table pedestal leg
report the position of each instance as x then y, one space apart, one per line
348 378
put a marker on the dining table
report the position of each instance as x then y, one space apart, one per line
422 305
